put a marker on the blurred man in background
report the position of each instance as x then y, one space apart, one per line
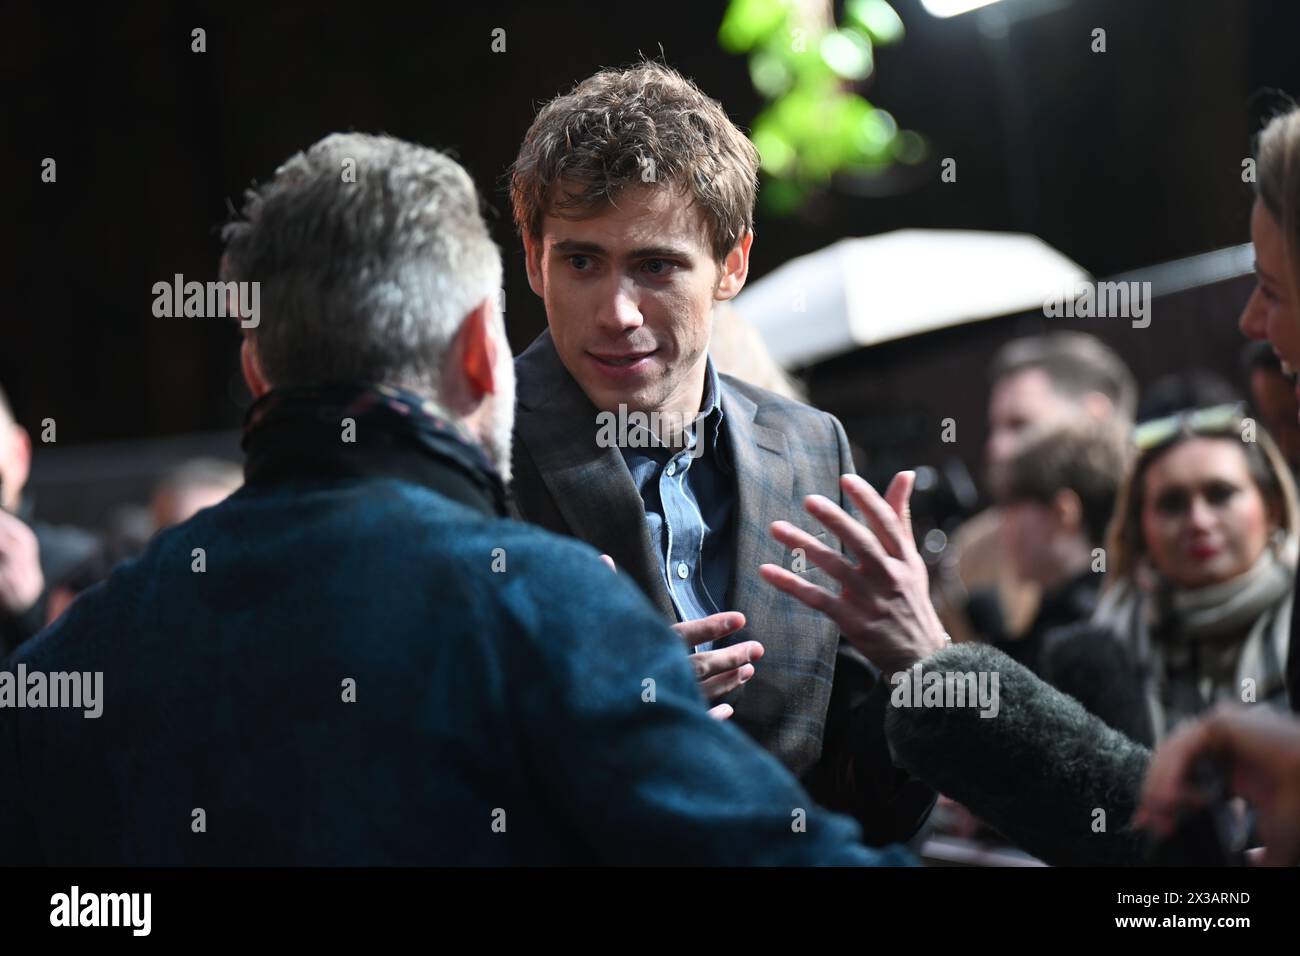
192 486
1037 383
1056 492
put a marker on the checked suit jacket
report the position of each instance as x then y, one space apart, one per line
813 702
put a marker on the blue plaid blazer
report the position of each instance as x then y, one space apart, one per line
814 702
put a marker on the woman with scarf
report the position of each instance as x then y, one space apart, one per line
1202 554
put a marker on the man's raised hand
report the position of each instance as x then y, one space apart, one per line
883 608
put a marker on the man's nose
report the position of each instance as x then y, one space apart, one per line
619 310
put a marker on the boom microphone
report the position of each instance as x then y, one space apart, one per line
1032 762
1088 662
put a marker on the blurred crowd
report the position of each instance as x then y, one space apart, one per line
1141 552
44 565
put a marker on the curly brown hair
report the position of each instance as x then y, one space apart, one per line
624 127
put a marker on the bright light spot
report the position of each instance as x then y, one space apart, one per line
951 8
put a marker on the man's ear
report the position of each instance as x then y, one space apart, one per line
251 365
533 263
474 352
735 268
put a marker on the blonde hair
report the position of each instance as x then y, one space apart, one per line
1277 183
737 349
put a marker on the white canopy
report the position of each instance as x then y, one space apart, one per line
859 292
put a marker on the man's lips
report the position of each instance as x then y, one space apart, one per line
621 364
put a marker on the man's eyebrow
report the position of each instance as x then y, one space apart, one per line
578 246
661 252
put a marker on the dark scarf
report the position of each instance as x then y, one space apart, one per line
299 434
1203 634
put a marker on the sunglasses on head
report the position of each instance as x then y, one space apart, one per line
1214 420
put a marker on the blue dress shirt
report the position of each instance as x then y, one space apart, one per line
689 496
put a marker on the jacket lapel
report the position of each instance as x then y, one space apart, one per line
764 483
590 485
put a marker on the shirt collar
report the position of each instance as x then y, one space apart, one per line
711 406
709 419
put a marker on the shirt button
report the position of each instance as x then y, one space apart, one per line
672 468
683 571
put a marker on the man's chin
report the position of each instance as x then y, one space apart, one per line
608 399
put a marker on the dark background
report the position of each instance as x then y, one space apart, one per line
1119 160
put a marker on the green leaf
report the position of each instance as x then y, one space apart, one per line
769 74
814 126
776 153
747 23
782 197
798 49
877 17
848 53
875 134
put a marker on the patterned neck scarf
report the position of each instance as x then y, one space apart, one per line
361 429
